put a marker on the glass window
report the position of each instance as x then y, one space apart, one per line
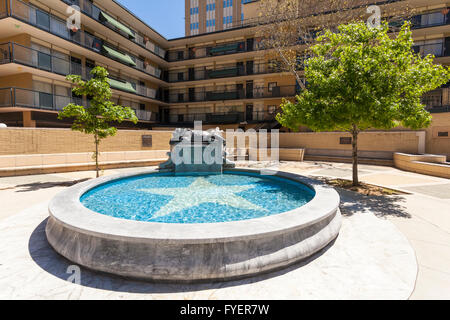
271 86
42 19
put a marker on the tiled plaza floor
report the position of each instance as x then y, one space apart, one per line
373 258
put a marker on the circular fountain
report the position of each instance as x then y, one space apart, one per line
173 225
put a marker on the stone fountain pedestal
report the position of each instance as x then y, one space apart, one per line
197 151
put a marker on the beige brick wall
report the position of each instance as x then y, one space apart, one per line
406 141
51 141
435 144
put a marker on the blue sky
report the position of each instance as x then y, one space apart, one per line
166 17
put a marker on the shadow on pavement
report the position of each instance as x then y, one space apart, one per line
381 206
35 186
50 261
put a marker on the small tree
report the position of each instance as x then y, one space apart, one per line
360 78
96 119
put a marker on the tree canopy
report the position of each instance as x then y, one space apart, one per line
101 112
361 78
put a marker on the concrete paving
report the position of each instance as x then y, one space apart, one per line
423 216
393 247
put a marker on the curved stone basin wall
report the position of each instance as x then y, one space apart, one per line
191 252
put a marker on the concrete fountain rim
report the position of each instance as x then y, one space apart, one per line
67 209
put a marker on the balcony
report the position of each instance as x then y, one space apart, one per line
431 19
221 117
236 94
212 51
436 47
91 10
213 118
15 53
25 98
56 26
145 115
31 99
3 9
227 71
438 109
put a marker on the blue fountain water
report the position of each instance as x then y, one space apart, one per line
195 198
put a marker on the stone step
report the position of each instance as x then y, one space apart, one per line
60 168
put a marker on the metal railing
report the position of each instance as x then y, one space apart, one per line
13 52
235 70
438 109
212 51
236 94
216 117
437 49
57 26
221 117
88 8
3 8
27 98
145 115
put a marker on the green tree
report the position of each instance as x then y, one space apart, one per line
360 78
96 119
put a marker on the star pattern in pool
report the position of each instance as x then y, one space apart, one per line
201 191
167 198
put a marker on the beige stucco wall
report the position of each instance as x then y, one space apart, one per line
429 165
376 144
16 141
383 141
435 144
53 141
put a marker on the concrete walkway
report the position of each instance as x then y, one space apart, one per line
423 216
370 260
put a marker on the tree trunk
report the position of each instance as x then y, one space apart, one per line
355 156
96 156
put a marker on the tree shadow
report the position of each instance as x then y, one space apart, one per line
35 186
381 206
51 262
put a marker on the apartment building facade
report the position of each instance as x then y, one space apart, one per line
205 16
222 77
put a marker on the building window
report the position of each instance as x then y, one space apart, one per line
271 86
443 134
271 109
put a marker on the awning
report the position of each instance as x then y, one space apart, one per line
121 85
118 55
117 24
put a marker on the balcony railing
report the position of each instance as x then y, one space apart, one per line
58 27
3 8
26 98
236 94
218 117
88 8
222 117
436 48
234 70
145 115
211 51
13 52
438 109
